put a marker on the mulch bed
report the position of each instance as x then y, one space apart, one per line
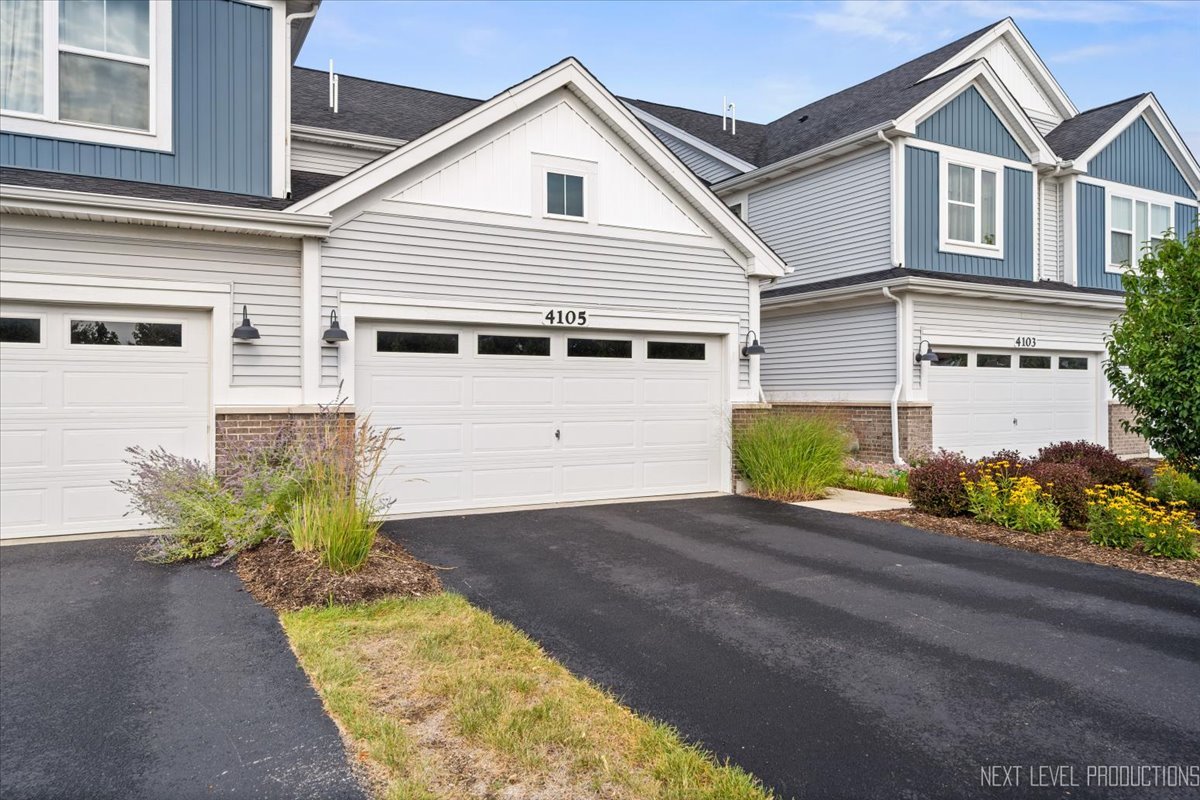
279 577
1062 543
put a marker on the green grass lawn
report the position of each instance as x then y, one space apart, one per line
440 700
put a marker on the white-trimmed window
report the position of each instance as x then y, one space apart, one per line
564 195
88 70
564 190
1135 224
972 207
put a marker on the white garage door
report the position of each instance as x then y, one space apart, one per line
501 417
987 400
77 386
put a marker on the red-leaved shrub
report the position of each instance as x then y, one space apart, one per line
1103 465
1066 484
936 485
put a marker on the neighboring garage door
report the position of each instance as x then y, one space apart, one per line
987 400
78 385
499 417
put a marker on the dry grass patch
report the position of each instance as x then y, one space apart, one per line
440 700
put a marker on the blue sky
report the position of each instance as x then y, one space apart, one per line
768 57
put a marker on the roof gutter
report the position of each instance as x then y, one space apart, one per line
287 114
31 200
802 160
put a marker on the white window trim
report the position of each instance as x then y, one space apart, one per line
1135 195
48 123
544 164
977 163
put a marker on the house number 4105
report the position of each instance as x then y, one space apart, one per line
1026 341
564 316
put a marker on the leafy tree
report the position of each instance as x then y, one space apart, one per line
1154 350
93 333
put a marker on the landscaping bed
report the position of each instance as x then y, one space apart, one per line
285 579
438 699
1065 543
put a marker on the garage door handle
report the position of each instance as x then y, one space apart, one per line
557 434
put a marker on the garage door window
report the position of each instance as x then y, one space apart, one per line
1072 362
675 351
599 348
20 330
137 334
415 342
490 345
1034 362
950 360
993 360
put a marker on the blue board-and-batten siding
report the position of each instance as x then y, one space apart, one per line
1137 158
921 235
1185 220
221 80
968 122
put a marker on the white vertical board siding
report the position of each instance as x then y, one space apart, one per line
454 261
830 222
1050 236
330 159
708 168
845 352
263 273
1016 79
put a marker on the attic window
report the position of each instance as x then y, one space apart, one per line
564 195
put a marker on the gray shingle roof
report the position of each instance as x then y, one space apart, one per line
1080 132
372 107
707 127
12 176
900 272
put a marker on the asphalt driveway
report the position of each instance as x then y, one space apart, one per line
127 680
841 657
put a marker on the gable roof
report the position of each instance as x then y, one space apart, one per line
707 127
1077 134
372 107
342 198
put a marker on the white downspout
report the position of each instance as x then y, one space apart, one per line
287 113
900 367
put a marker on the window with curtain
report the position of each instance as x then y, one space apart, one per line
21 59
1135 226
972 206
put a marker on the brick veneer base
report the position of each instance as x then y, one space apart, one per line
870 423
1120 441
239 430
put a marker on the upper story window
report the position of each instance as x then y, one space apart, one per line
564 195
1134 224
90 70
972 219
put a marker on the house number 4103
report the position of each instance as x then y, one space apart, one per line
1026 341
564 316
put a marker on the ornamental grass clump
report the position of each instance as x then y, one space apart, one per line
1120 516
999 494
791 458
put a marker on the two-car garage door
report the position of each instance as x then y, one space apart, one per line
986 400
78 385
509 416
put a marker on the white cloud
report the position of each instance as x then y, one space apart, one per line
1087 53
873 20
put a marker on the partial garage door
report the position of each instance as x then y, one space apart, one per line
987 400
496 417
78 385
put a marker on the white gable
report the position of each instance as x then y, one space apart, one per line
500 171
1018 80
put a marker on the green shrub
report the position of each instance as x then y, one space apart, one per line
1120 516
1067 485
1171 484
791 458
935 486
894 483
999 494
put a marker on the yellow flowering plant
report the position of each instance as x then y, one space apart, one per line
1120 516
999 494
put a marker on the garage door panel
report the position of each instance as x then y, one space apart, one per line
678 391
24 507
95 503
587 479
677 474
133 389
24 389
600 391
106 446
413 391
489 392
603 434
426 438
677 432
513 482
429 489
514 437
23 448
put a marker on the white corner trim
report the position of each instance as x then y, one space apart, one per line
1070 229
694 141
170 213
1162 128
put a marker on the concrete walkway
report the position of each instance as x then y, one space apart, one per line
848 501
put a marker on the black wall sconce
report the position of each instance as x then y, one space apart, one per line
752 347
245 332
925 353
334 333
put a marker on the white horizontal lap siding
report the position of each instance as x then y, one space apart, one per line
699 162
330 159
845 351
264 274
454 261
830 222
1050 231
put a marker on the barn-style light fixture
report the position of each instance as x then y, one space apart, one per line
752 349
245 332
925 353
334 333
